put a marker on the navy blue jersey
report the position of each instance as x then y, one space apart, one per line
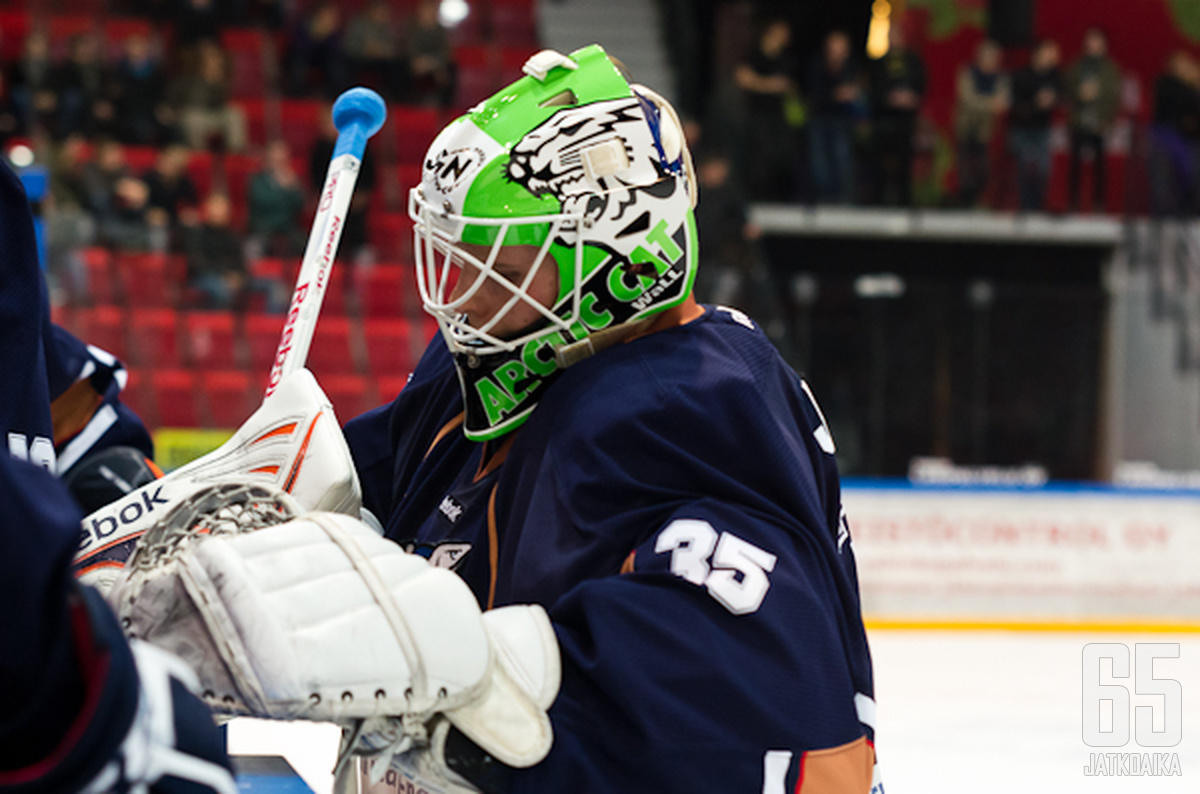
85 385
68 678
24 326
674 504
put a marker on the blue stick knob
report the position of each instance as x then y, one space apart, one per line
358 114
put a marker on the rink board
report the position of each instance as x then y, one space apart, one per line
1056 555
267 774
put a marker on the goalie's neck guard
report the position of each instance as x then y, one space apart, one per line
587 170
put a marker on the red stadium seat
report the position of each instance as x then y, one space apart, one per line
414 128
145 279
331 352
383 288
200 169
262 333
154 337
245 49
388 387
514 27
389 345
230 397
238 170
104 327
101 282
351 395
138 397
300 122
390 234
15 24
254 109
210 338
174 393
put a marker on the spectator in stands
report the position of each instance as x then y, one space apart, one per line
70 225
373 51
1036 94
120 202
836 105
276 197
982 96
82 85
897 83
138 93
1093 97
173 198
1173 136
200 97
766 78
355 242
33 85
431 61
731 272
216 264
316 59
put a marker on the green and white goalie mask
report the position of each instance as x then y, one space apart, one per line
590 176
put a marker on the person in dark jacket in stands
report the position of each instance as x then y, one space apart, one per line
1173 135
1036 95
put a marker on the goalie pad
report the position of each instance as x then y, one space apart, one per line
321 619
292 442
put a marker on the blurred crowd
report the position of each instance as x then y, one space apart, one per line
841 128
84 104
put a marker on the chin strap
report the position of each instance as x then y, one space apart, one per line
590 345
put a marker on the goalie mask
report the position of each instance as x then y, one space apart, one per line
554 215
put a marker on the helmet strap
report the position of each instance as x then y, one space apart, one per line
590 345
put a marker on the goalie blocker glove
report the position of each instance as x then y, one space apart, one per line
319 618
86 712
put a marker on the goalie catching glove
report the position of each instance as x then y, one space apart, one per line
319 618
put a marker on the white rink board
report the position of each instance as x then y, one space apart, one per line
1054 553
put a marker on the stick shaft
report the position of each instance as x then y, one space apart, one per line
315 269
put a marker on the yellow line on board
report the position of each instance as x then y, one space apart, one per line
1123 626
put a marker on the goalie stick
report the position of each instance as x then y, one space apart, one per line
357 114
295 422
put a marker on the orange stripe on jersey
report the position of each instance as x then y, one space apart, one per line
445 431
494 459
493 547
627 566
291 479
837 770
282 430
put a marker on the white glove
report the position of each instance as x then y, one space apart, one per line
292 442
320 618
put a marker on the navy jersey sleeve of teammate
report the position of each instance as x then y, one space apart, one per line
24 321
82 707
85 386
724 650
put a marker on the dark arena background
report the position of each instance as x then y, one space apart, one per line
987 270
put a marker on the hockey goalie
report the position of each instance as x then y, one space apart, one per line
609 553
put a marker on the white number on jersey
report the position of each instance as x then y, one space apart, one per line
39 453
737 576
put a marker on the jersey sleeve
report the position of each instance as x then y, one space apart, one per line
75 693
719 659
24 326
